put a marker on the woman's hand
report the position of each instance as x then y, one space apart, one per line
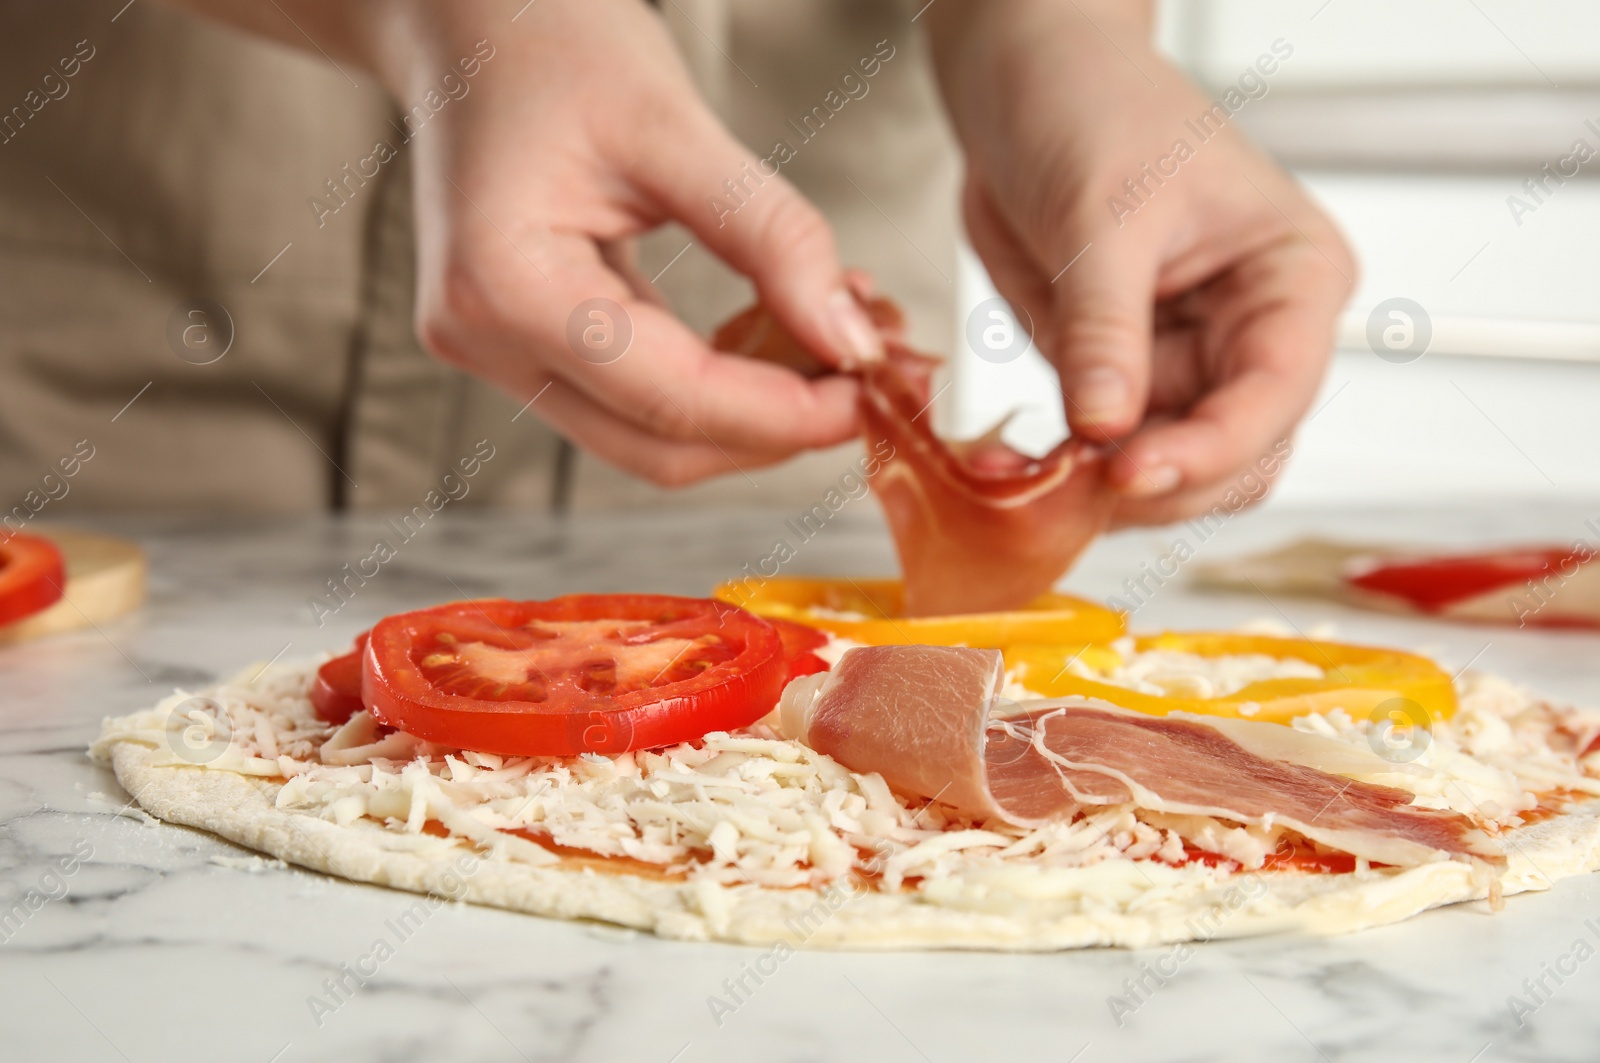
1187 294
580 131
583 131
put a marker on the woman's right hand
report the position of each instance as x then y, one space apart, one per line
579 129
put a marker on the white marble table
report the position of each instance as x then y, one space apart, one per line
155 950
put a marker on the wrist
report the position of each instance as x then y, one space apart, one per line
1136 18
988 52
1132 17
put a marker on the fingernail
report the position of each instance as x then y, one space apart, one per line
857 336
1156 480
1100 394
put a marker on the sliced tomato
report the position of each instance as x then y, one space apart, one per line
1431 584
800 644
32 575
336 692
601 673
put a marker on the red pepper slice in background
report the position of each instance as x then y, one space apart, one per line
1434 583
32 575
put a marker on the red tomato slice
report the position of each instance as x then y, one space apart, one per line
336 692
31 576
1434 583
601 673
799 642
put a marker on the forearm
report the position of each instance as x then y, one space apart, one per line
969 37
952 18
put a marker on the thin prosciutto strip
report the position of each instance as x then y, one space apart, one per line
921 716
979 527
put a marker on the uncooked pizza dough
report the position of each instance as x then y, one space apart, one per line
751 838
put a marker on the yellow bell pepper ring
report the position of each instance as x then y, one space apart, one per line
1357 679
872 611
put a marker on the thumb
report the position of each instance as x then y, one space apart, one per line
1101 339
741 208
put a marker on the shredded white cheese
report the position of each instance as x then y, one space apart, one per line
735 808
750 807
1492 759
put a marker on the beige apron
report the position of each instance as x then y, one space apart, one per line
155 167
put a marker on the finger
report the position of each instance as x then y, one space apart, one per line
664 462
1275 327
861 283
1245 417
630 356
622 257
1101 326
1178 373
740 207
677 387
1211 504
1009 262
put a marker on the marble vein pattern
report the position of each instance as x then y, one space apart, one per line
138 941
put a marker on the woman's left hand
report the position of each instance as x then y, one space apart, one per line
1183 285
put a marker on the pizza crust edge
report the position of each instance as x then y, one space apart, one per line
1194 903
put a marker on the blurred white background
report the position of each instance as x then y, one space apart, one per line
1412 123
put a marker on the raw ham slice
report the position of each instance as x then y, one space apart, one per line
921 716
910 715
1174 765
979 527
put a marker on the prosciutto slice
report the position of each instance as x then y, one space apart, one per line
922 717
979 526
